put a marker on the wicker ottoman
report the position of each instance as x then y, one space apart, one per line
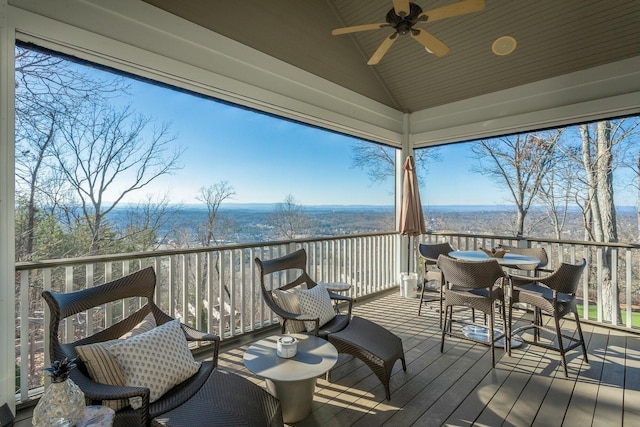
373 344
225 400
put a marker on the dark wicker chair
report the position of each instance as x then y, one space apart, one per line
429 254
293 267
555 295
376 346
475 284
210 397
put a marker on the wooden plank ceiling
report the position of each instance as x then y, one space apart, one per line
554 38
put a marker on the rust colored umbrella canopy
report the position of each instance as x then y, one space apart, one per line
411 215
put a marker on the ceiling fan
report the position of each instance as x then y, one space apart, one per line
404 15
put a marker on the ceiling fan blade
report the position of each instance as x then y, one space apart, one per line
455 9
401 7
356 28
432 44
382 49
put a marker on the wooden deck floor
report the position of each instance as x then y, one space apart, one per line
459 387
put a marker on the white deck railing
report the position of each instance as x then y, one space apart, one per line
217 289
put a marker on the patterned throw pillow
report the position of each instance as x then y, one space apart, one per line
159 360
316 302
288 301
103 366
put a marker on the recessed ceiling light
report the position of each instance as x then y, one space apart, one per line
504 45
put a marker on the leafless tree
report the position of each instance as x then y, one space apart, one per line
102 148
629 156
290 220
379 160
558 191
519 163
211 231
213 196
48 89
601 154
149 223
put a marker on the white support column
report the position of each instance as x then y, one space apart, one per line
407 150
7 249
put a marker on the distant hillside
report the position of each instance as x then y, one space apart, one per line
252 222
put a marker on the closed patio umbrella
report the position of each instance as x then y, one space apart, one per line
411 215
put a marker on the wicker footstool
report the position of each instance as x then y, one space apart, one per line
225 400
373 344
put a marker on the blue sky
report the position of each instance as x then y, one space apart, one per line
262 157
265 159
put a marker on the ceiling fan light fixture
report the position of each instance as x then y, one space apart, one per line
404 15
504 45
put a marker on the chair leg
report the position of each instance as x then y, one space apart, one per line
424 285
507 338
561 345
447 321
537 321
441 304
492 335
584 347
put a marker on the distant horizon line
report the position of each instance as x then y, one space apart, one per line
241 205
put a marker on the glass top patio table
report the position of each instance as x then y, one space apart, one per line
508 260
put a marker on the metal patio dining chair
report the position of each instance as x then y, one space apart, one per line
475 284
555 295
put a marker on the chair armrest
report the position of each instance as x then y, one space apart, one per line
518 280
96 392
521 279
195 335
336 296
339 297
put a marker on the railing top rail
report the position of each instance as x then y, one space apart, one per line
535 239
29 265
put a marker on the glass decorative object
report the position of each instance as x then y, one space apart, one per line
62 403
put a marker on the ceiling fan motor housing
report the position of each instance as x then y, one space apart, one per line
403 24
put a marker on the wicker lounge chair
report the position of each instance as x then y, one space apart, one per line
286 273
210 397
376 346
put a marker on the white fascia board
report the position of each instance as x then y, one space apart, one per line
605 91
8 310
133 36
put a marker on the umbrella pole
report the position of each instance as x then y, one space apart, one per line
408 254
